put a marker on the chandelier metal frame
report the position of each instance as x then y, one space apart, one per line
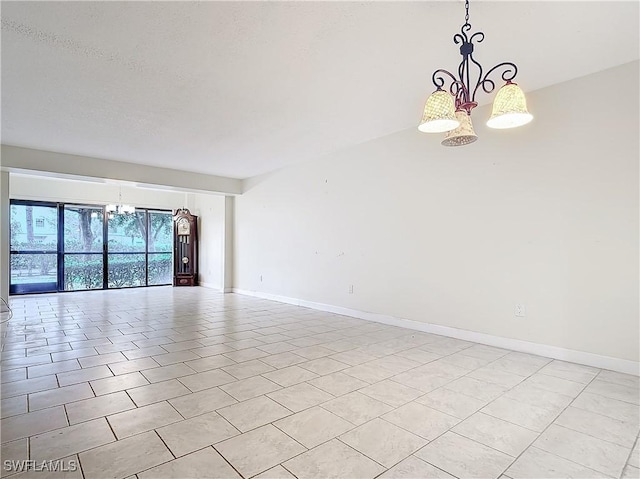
461 87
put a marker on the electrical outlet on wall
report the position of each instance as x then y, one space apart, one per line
261 278
350 289
521 312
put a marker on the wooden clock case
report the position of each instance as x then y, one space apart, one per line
185 248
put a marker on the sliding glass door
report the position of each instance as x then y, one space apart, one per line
83 262
127 247
160 248
34 247
140 248
68 247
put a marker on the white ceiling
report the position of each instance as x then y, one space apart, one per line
242 88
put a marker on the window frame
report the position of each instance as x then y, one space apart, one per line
61 254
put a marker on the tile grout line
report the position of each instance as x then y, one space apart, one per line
551 424
165 445
478 442
627 464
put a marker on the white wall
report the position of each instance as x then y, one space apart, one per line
4 237
229 227
545 215
209 208
211 222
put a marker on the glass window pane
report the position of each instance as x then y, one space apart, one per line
83 229
82 271
126 270
160 233
34 227
34 268
128 232
160 268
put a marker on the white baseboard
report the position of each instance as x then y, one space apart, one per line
209 286
215 288
555 352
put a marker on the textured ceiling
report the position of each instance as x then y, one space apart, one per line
242 88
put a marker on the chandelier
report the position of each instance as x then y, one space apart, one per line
120 208
450 110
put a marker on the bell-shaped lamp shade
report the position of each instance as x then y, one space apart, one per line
464 134
509 108
439 113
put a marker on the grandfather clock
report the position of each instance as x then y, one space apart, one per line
185 248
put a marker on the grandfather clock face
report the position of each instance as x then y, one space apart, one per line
184 227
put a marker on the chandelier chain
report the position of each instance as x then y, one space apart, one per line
466 8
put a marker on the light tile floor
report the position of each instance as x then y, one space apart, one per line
185 382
